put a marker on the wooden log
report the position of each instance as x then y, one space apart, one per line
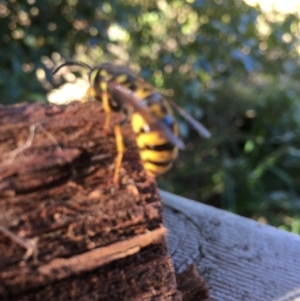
86 239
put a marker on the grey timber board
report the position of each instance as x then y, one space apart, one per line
239 258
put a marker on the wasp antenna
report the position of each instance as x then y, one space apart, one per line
72 63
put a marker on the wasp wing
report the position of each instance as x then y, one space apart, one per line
129 98
201 129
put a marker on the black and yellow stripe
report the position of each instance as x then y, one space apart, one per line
156 152
150 113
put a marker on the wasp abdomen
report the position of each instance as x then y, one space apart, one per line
156 151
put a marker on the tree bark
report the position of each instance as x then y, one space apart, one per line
86 239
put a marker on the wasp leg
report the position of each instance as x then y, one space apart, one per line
120 146
29 245
107 109
105 102
106 123
120 150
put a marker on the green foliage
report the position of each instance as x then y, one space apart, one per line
251 165
225 62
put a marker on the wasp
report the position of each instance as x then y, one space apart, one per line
150 113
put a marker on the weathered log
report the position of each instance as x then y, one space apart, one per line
88 240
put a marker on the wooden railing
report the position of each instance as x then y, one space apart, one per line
239 258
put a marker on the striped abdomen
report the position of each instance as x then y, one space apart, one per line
156 152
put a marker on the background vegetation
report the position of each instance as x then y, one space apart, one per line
231 66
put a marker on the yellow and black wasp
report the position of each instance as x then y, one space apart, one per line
150 113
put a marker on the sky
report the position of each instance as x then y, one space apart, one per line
284 6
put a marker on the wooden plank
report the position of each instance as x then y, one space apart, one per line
239 258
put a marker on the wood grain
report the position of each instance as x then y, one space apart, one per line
88 238
239 258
